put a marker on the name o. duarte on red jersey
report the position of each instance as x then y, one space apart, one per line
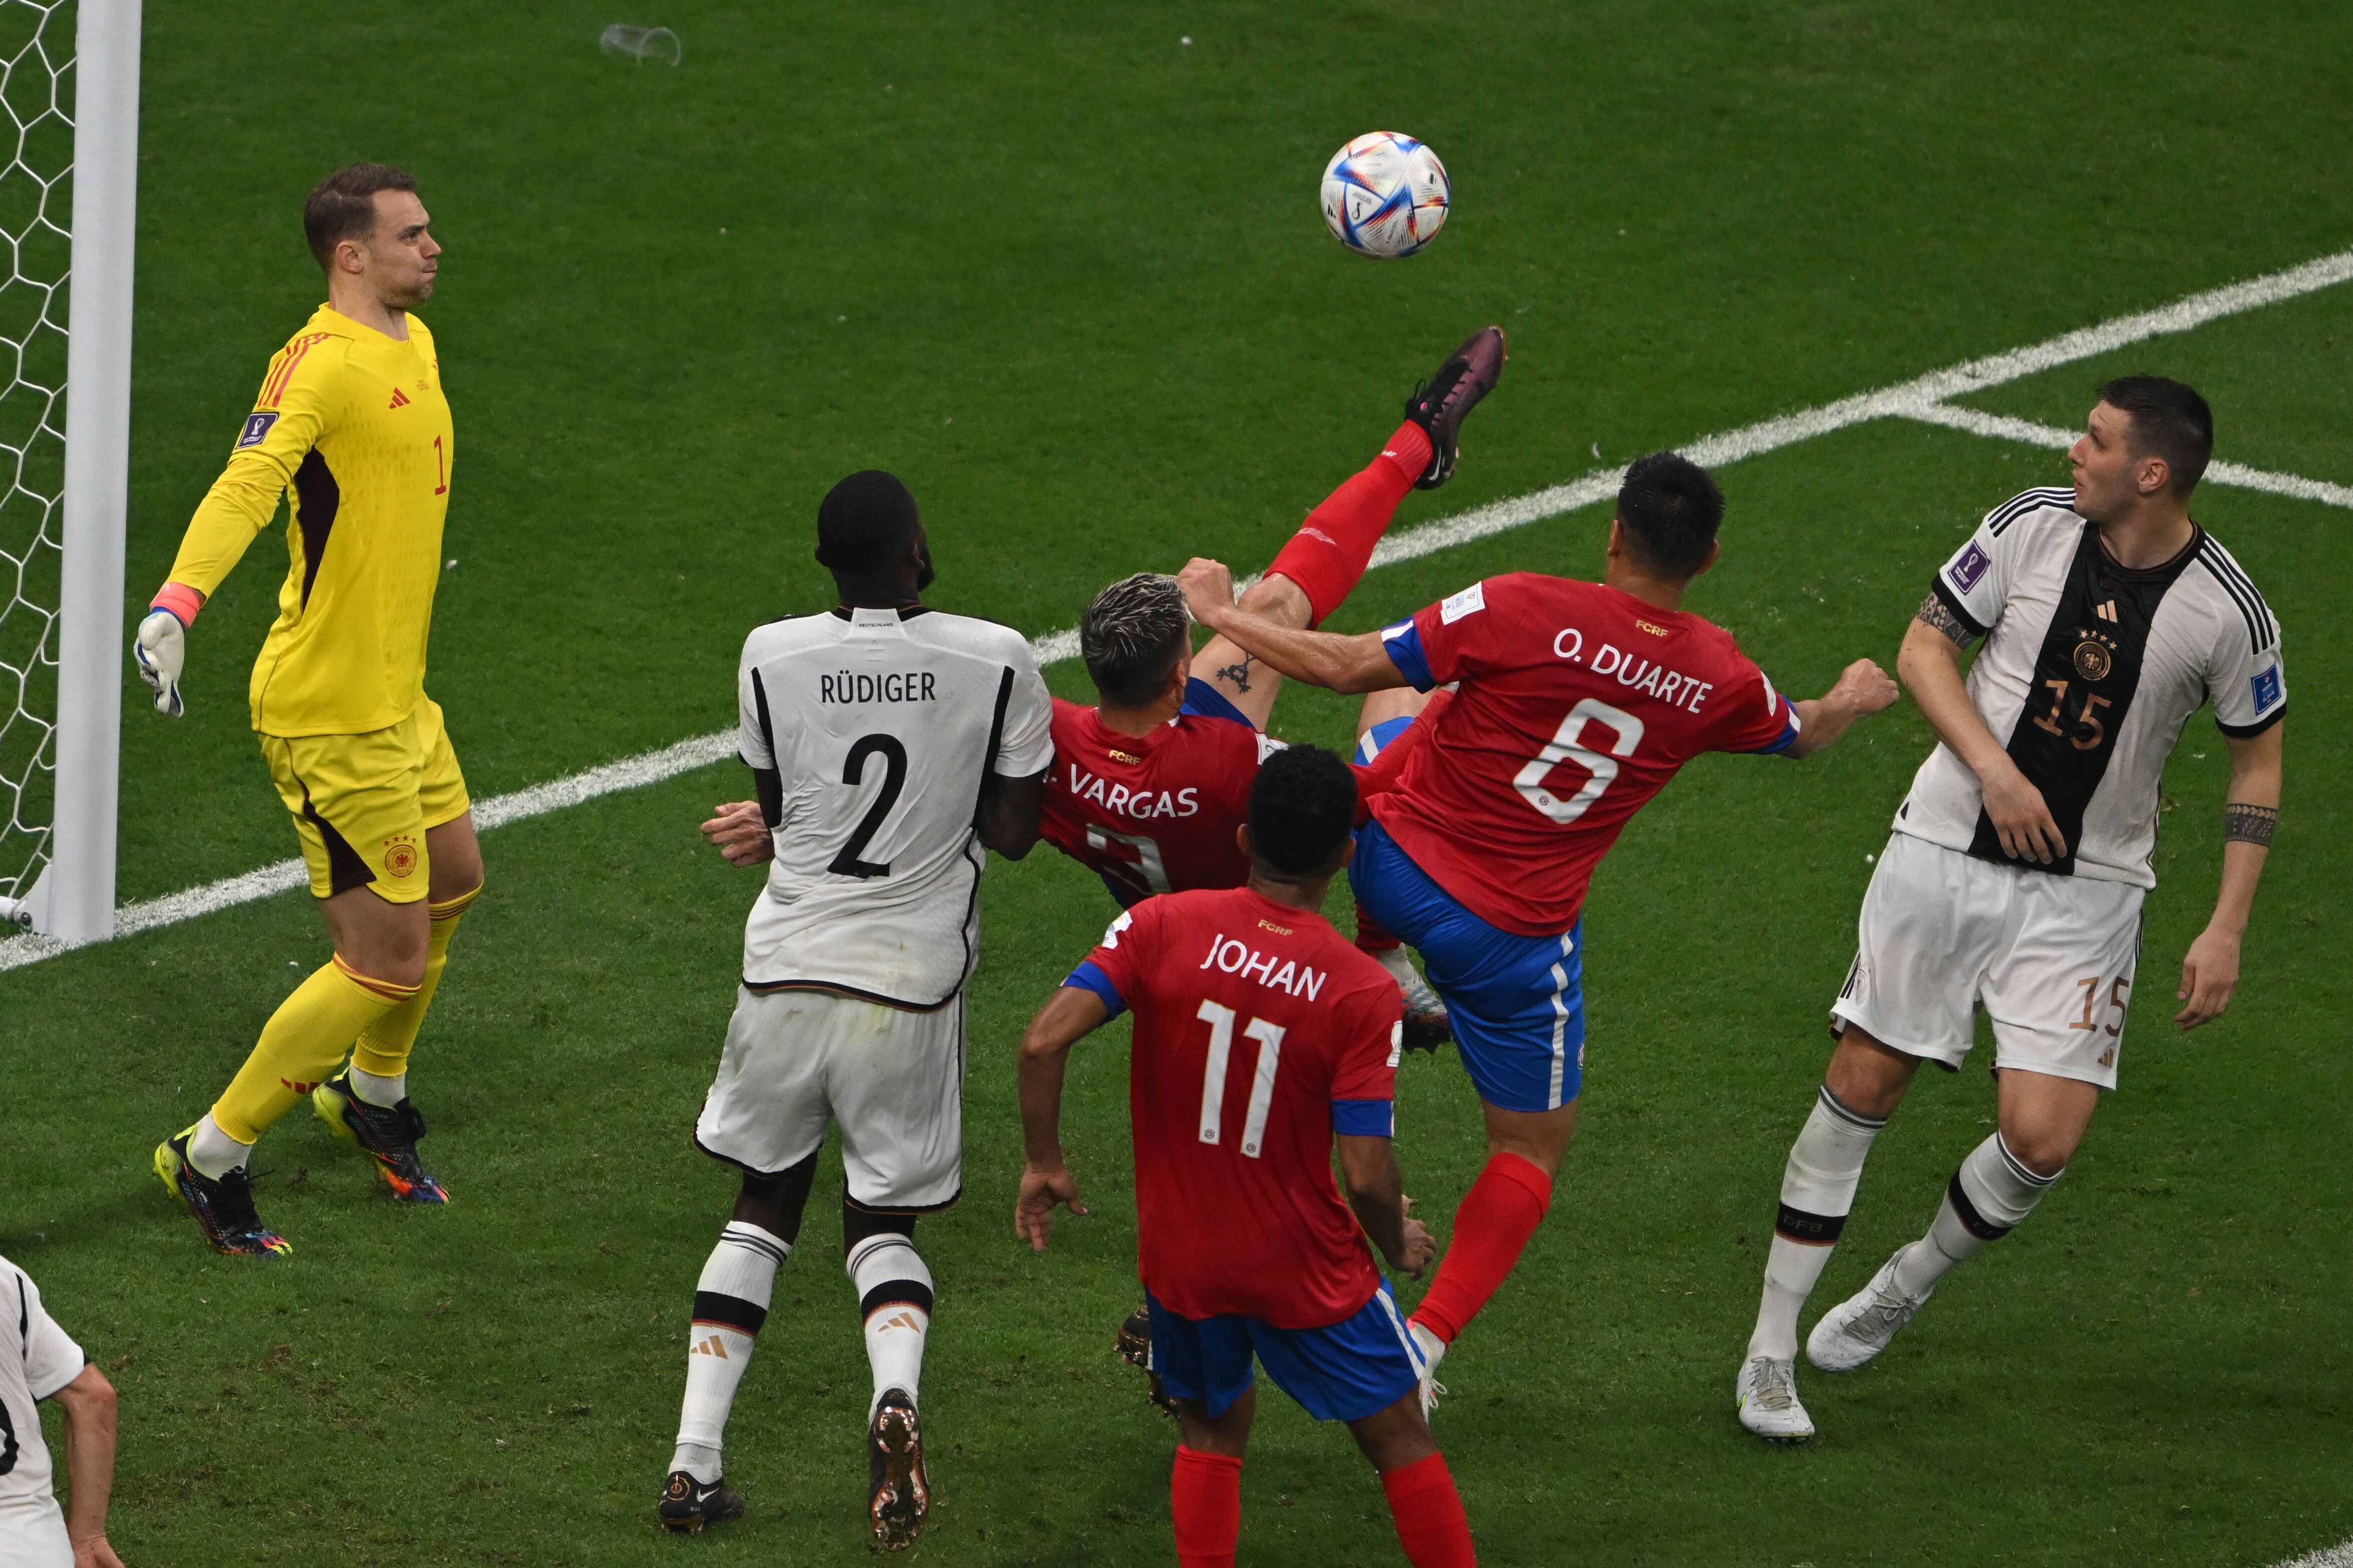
1152 814
1259 1031
1576 704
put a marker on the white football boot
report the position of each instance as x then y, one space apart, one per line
1768 1406
1859 1327
1433 1350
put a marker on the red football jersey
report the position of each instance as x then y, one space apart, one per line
1251 1020
1152 814
1576 704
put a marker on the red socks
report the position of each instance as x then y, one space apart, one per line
1498 1214
1205 1495
1332 549
1430 1523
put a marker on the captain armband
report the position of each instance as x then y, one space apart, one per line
2244 823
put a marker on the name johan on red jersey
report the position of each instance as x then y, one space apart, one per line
1251 1020
1577 703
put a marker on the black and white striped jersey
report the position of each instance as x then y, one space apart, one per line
882 726
2088 673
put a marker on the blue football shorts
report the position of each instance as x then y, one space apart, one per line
1517 1003
1357 1367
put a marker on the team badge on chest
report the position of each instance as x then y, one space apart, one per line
2093 658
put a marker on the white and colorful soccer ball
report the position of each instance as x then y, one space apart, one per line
1384 194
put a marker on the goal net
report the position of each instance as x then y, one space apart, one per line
35 64
69 116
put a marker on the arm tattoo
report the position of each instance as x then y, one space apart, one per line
1935 616
1239 673
2243 824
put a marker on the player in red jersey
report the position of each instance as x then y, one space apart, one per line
1149 785
1261 1037
1575 702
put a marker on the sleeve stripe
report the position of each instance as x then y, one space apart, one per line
274 387
1952 601
2019 505
2261 629
2249 731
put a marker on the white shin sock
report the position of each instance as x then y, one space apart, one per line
1989 1195
894 1297
1817 1192
378 1089
731 1303
214 1153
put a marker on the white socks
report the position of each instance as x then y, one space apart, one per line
1817 1192
1990 1194
731 1302
387 1092
894 1295
214 1153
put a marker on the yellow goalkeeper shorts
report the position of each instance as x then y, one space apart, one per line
362 803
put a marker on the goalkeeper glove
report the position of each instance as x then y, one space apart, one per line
160 649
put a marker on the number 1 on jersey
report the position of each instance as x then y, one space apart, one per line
1213 1078
440 467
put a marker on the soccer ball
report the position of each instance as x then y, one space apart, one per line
1384 194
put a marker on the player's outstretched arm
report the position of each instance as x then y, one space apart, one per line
1069 1014
1376 1194
1862 689
1930 669
2209 971
89 1405
1351 665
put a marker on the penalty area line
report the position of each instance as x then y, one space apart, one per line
1922 398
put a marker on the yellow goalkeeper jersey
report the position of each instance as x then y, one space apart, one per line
352 429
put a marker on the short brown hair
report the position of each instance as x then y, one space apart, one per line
2169 420
342 206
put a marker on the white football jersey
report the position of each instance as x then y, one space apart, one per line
883 724
2088 673
36 1359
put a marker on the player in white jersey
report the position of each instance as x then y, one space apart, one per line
40 1360
888 744
2014 877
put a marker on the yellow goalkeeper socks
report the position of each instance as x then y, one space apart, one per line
384 1045
304 1042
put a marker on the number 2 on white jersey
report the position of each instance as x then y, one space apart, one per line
1565 745
1213 1081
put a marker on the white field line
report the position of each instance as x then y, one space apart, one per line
1906 400
2002 427
2326 1557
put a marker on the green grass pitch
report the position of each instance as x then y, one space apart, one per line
1063 272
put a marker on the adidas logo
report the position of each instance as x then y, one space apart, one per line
901 1321
2107 612
711 1346
399 399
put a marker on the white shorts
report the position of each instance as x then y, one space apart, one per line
33 1530
891 1080
2050 960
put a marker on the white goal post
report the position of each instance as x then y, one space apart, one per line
57 875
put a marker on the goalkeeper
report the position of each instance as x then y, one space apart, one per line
352 429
